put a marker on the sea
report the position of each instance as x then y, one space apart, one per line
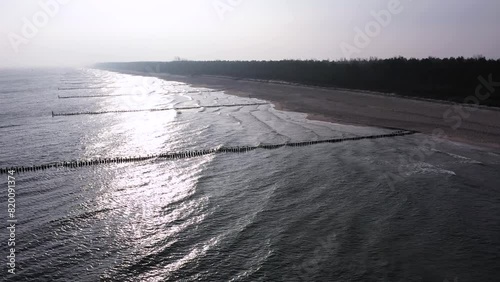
405 208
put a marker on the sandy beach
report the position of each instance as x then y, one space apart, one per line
474 126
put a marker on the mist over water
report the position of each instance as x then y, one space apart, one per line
316 213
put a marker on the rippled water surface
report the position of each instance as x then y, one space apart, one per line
318 213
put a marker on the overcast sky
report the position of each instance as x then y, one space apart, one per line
47 32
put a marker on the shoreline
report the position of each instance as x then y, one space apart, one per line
279 82
473 126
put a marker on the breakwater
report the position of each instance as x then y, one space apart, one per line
190 154
117 95
84 88
157 109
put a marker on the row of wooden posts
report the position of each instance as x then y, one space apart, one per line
156 110
190 154
117 95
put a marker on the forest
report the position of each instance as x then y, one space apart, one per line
451 79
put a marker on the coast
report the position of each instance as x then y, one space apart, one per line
477 126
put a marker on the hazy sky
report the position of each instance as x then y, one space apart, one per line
46 32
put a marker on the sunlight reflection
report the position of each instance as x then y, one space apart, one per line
149 204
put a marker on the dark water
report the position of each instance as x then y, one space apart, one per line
319 213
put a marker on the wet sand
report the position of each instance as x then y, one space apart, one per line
474 126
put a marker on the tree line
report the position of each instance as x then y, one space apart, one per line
451 79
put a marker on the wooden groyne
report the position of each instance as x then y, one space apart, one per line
95 96
85 88
190 154
117 95
157 109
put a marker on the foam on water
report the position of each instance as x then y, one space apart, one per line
320 213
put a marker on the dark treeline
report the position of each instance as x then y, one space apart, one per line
451 79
